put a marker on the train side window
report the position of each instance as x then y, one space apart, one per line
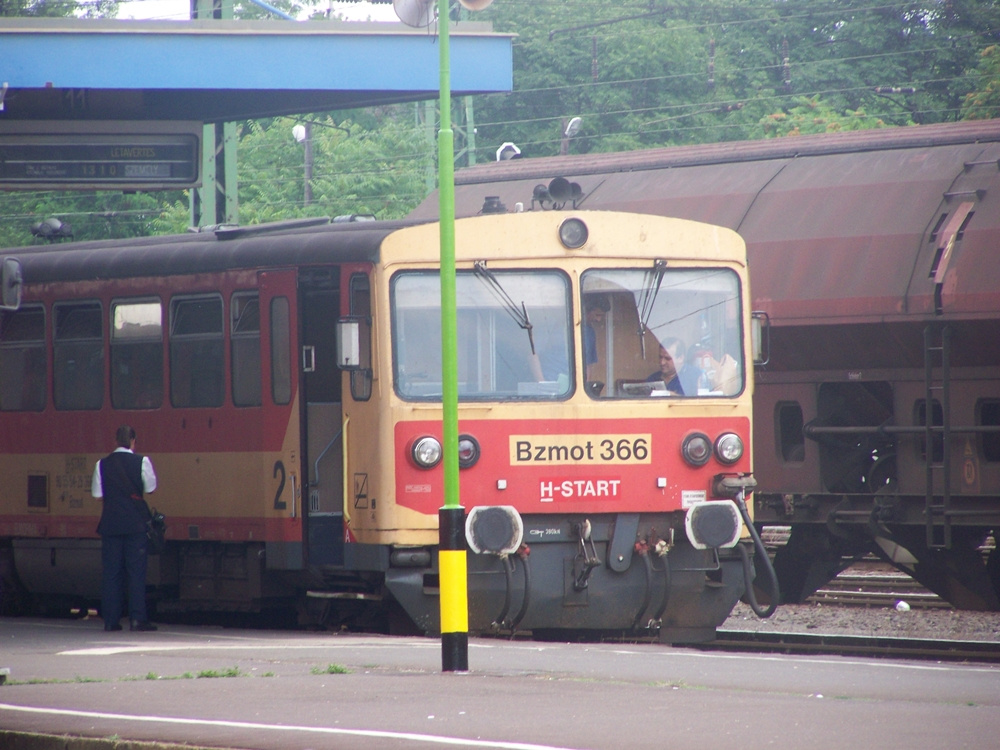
989 416
361 309
937 439
281 363
78 356
38 491
244 318
937 226
196 351
136 354
23 359
791 442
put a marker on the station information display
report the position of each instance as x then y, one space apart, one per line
100 155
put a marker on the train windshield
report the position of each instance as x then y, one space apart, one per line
514 335
661 332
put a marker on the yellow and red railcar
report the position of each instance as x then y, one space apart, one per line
877 415
286 381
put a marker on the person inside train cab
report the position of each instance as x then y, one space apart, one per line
120 480
595 310
680 376
723 375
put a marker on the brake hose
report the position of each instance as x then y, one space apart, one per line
748 576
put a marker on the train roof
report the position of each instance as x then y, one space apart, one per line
299 242
839 227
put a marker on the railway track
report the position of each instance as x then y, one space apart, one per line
855 645
867 583
876 584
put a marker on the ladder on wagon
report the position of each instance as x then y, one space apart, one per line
937 435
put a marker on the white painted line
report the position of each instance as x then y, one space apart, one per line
250 644
409 736
253 646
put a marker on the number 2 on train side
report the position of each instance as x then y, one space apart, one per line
279 468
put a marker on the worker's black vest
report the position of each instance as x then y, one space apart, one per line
125 511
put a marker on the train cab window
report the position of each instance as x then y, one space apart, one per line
791 442
513 342
244 332
937 438
281 362
78 356
196 351
988 415
361 310
23 360
136 354
658 332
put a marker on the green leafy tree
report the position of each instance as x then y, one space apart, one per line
380 171
650 73
812 116
59 8
89 215
983 103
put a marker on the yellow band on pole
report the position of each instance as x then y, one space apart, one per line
454 591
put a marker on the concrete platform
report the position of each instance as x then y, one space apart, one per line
265 690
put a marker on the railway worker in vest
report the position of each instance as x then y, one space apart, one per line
120 479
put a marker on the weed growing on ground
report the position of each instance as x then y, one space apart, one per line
331 669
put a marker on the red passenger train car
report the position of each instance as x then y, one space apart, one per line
877 417
286 382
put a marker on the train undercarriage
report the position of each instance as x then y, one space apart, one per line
624 578
608 583
954 556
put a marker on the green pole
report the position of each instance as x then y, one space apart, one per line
453 576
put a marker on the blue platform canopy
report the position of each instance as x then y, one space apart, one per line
216 71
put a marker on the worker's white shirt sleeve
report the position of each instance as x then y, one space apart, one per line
148 475
95 484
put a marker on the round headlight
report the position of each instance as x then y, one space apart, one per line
729 448
573 233
468 451
427 452
697 449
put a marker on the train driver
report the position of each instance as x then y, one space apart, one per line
680 377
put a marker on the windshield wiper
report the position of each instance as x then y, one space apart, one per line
520 316
650 288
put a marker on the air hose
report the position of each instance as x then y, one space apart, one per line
523 553
748 574
507 573
647 597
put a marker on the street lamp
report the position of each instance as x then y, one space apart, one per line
508 151
568 131
302 133
52 229
452 560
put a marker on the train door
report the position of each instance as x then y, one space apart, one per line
323 500
268 327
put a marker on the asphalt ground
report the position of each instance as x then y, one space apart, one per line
271 690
